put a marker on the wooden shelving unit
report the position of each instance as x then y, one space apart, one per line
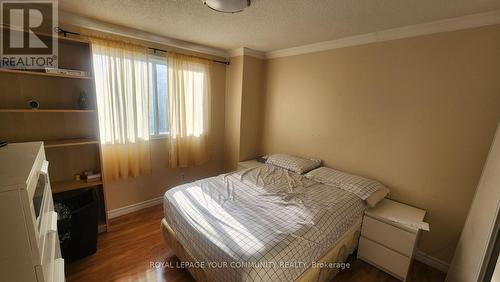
39 73
70 134
69 185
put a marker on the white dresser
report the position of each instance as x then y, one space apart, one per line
389 235
29 243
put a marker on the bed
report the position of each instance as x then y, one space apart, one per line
261 224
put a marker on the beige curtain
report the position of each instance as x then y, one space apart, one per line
189 110
122 90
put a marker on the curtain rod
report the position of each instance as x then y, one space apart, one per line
165 51
66 32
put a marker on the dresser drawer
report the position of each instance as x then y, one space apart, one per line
388 235
46 221
391 261
59 270
51 258
35 172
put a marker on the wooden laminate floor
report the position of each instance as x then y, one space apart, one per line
126 253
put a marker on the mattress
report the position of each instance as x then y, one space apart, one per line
325 269
259 224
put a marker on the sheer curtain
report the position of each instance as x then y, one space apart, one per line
122 90
188 109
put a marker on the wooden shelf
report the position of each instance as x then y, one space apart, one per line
69 185
74 155
27 72
45 111
69 142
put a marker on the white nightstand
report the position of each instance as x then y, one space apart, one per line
389 235
249 164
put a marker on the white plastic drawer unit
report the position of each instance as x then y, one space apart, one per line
29 244
398 239
385 241
389 260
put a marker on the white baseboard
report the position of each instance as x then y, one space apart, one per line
134 207
432 261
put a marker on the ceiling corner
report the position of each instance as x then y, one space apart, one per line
244 51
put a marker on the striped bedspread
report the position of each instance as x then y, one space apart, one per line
259 224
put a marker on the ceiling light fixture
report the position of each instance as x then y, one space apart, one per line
227 6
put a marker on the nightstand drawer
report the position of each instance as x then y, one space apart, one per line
388 235
389 260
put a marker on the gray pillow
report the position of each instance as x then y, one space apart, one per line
360 186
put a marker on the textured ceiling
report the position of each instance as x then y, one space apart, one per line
269 25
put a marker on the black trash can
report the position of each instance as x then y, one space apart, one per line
77 223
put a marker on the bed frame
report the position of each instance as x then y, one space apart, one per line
339 253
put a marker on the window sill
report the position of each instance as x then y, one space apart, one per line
157 137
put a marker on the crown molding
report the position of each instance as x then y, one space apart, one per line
244 51
236 52
464 22
470 21
88 23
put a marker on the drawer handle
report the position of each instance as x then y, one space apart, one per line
53 222
59 270
45 168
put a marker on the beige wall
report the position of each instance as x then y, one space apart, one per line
251 107
244 98
418 114
134 190
234 85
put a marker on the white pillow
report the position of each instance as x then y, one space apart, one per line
360 186
292 163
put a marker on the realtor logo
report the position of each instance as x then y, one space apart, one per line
28 37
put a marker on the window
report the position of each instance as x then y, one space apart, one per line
158 102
